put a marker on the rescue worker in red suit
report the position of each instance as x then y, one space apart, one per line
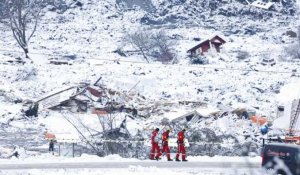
155 147
165 144
181 148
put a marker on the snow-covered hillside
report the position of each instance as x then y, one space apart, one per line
91 31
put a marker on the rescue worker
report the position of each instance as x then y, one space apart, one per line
51 146
181 148
155 147
165 144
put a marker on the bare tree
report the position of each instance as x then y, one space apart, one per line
165 46
22 17
157 45
141 41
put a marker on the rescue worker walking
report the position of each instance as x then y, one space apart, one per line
155 147
165 144
51 146
181 148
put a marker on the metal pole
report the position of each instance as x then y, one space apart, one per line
58 149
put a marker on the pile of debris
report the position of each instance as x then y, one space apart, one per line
98 99
86 98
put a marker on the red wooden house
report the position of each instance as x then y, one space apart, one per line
213 43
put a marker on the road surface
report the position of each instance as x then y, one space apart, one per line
110 165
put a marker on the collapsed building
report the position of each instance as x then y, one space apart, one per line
84 98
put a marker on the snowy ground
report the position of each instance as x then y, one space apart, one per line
135 170
196 165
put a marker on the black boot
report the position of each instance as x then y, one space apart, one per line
170 159
177 160
184 160
157 158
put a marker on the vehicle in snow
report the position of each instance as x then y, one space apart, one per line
274 154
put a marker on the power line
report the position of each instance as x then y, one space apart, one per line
174 65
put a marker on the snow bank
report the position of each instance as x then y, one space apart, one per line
289 92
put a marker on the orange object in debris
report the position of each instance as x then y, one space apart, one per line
94 92
99 111
293 139
259 120
49 136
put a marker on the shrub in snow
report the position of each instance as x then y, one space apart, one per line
167 56
251 148
292 51
242 55
209 137
59 6
291 34
199 60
